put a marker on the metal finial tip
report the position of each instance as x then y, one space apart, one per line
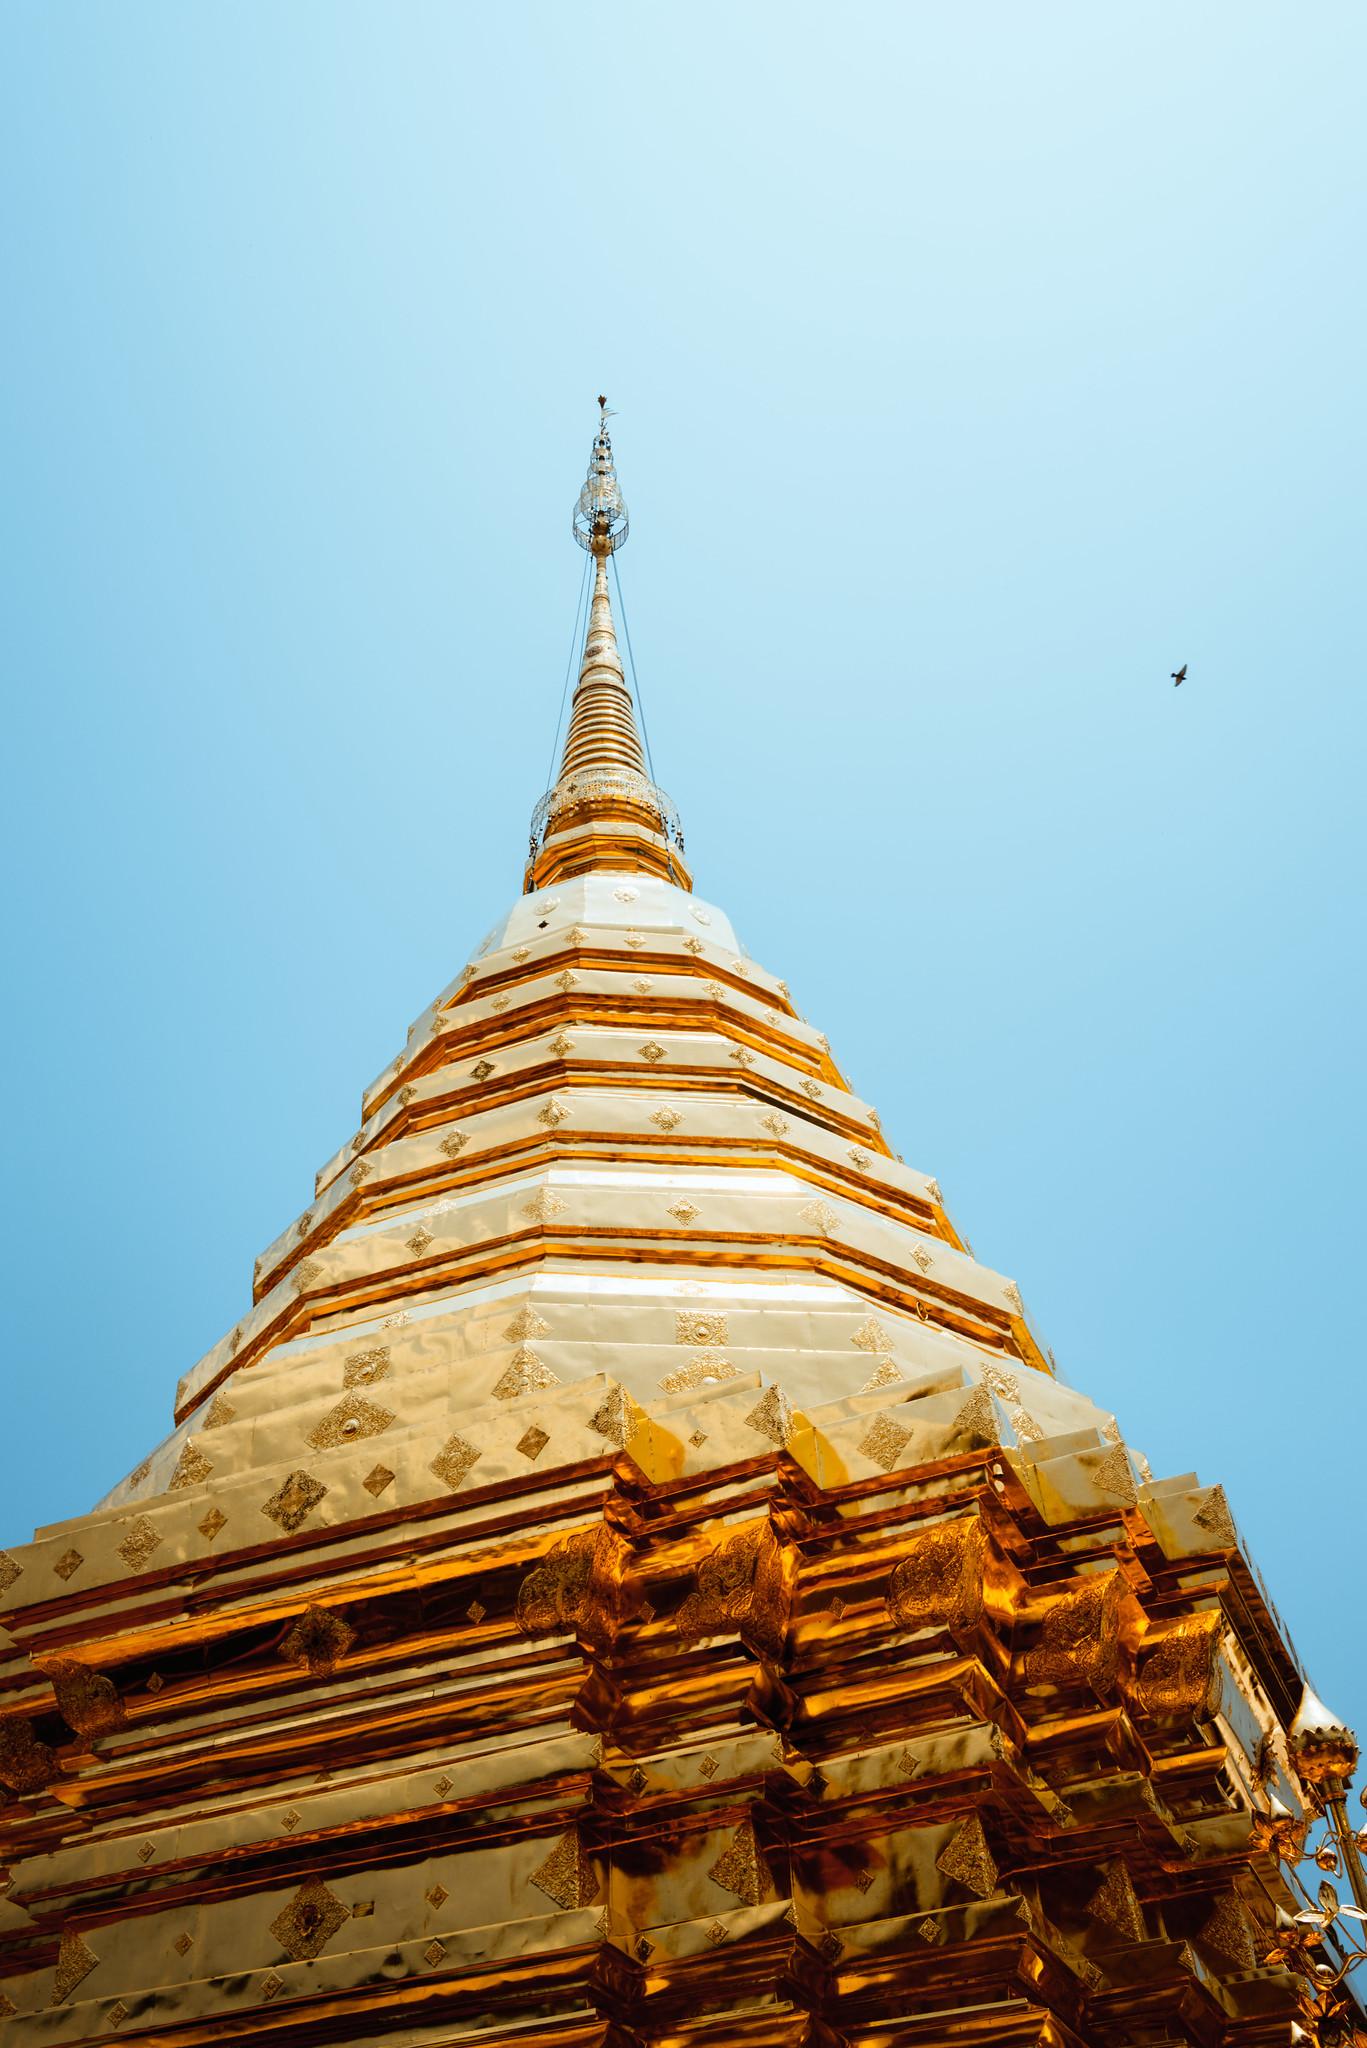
602 401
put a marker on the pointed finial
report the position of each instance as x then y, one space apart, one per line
600 515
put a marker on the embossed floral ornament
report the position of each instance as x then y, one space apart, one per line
577 1586
318 1639
307 1924
744 1586
967 1859
567 1877
1179 1673
1080 1636
740 1868
939 1581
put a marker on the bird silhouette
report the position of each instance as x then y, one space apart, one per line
1179 676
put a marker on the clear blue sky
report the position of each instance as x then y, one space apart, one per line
974 368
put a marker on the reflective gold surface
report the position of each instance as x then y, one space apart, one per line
631 1575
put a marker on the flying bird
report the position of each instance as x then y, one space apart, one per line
1179 676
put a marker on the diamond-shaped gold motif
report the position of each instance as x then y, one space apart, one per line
820 1215
70 1561
742 1056
146 1851
698 1439
773 1417
476 1612
210 1524
307 1924
454 1461
305 1273
375 1482
407 1094
1214 1517
290 1820
75 1961
482 1070
10 1570
1003 1383
921 1258
626 895
652 1052
863 1880
271 1985
524 1373
1013 1295
637 1781
544 1205
811 1088
183 1943
350 1421
453 1144
292 1503
567 1877
645 1948
887 1375
739 1868
526 1323
716 1933
615 1418
567 981
140 1542
116 2015
500 1003
363 1368
434 1953
360 1172
1115 1476
666 1119
871 1336
884 1443
191 1467
708 1766
642 988
967 1859
775 1125
218 1412
533 1443
436 1897
693 945
860 1157
443 1786
684 1212
560 1045
419 1241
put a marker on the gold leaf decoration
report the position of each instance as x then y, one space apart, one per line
68 1564
552 1113
1002 1383
1079 1640
454 1461
1114 1475
524 1373
576 1587
210 1524
939 1580
740 1868
820 1215
683 1212
532 1443
567 1876
1114 1904
615 1418
453 1144
375 1482
292 1503
888 1375
351 1421
307 1924
699 1330
871 1336
776 1125
87 1700
884 1442
743 1586
666 1119
544 1205
526 1323
191 1467
318 1639
140 1542
977 1419
707 1370
967 1859
1229 1933
419 1242
26 1764
1179 1676
772 1417
652 1052
218 1412
1214 1517
363 1368
10 1570
1013 1296
75 1961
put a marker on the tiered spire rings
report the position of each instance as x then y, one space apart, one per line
604 811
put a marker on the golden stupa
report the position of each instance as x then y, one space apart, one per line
633 1576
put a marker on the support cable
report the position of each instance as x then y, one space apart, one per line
569 670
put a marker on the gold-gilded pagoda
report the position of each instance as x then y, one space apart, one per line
632 1576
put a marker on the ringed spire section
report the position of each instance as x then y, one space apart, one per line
604 810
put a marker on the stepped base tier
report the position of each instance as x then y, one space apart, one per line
633 1576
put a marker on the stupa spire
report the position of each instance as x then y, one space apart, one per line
604 811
